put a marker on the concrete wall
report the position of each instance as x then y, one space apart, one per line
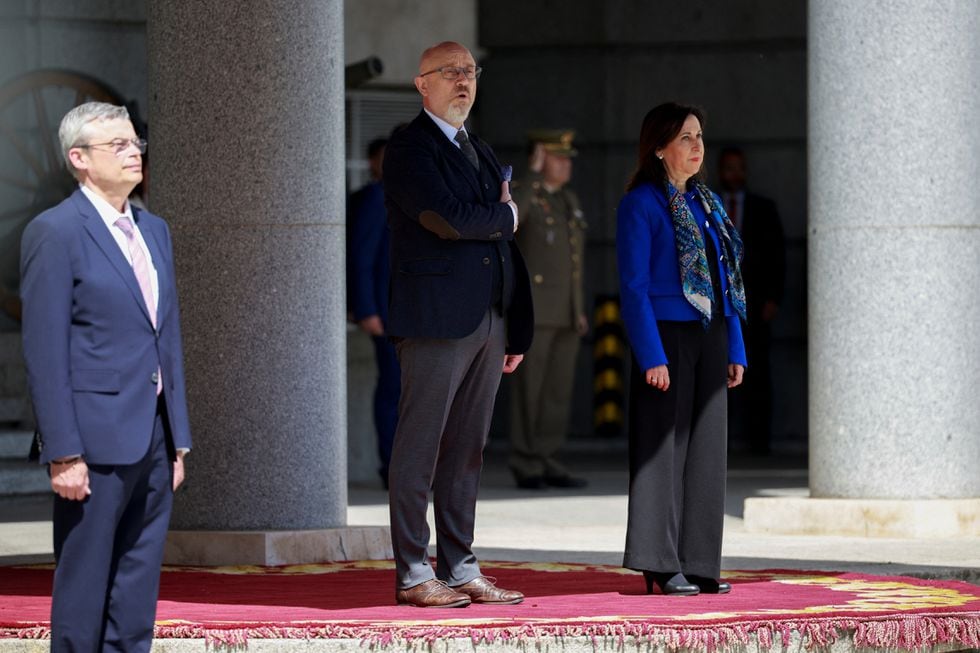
398 32
599 67
103 38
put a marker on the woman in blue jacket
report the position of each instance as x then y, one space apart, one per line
682 296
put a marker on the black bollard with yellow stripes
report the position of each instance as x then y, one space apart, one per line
609 358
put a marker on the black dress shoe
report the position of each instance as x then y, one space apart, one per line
532 483
672 584
710 585
567 481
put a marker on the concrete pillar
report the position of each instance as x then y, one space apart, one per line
247 165
894 250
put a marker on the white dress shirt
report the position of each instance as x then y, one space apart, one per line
109 215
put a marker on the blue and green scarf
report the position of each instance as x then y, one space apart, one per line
692 259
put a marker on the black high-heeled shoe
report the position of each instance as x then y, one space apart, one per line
710 585
670 584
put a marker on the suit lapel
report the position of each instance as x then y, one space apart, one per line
99 232
453 154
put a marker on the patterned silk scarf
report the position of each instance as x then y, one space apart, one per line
691 258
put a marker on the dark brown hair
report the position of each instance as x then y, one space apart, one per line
661 125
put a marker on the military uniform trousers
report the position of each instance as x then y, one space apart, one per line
678 455
541 401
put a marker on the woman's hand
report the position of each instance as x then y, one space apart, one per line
658 377
735 372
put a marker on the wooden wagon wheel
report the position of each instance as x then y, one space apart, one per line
33 176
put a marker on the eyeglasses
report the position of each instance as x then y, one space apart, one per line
452 72
119 145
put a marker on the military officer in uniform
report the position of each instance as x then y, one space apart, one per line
552 238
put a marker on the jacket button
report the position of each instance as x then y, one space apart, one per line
538 278
155 378
486 260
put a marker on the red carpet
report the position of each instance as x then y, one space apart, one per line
355 600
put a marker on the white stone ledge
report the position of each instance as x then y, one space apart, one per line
898 518
270 548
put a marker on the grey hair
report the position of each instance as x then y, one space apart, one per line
75 121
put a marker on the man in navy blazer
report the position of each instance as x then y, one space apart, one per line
105 370
460 313
368 276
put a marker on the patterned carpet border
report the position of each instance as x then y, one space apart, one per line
228 606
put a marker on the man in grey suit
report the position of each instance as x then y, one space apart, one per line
460 313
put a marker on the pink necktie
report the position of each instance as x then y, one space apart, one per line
142 269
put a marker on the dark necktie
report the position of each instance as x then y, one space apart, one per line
468 149
732 210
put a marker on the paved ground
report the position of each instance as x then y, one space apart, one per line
589 525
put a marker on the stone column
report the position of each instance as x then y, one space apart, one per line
894 248
246 126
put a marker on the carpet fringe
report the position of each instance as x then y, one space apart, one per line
901 633
906 633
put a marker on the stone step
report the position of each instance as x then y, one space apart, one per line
15 444
20 478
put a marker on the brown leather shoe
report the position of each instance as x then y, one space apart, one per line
432 594
482 590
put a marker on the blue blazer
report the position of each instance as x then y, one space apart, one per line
649 277
444 232
89 346
369 265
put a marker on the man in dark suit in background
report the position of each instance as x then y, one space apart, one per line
368 279
763 272
460 313
105 370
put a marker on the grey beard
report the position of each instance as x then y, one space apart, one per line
457 114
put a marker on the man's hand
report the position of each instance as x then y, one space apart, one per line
69 480
582 324
505 192
536 164
178 470
735 372
506 199
769 310
372 325
511 361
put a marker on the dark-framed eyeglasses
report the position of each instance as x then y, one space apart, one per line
453 72
119 146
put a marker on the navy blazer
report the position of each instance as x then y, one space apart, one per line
369 265
649 276
443 235
89 346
